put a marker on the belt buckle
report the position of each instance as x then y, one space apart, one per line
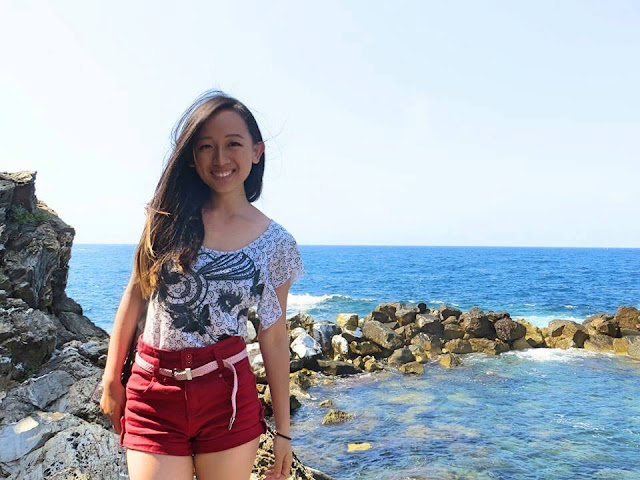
186 371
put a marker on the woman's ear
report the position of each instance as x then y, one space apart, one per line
258 150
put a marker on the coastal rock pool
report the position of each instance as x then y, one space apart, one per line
533 414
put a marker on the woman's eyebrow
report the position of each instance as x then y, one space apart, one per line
228 135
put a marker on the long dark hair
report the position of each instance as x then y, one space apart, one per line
173 229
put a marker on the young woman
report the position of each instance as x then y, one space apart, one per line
205 257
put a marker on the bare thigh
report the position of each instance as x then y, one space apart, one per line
232 464
156 466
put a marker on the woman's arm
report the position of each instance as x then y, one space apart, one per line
124 327
274 346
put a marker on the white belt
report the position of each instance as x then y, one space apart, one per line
189 374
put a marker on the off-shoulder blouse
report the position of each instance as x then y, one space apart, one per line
211 300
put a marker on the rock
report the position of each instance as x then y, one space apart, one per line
340 347
365 348
255 356
520 344
326 403
28 336
599 343
430 324
301 320
458 345
634 346
533 335
495 316
591 318
358 447
507 330
430 343
323 333
449 360
336 367
453 330
603 325
371 365
450 320
294 332
401 356
420 354
336 416
627 317
20 438
251 335
382 335
407 332
477 324
43 390
81 451
352 335
347 321
446 311
406 315
303 378
575 333
490 347
305 346
82 328
621 345
412 368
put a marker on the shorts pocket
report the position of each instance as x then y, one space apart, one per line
140 381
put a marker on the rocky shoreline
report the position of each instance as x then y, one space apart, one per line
51 355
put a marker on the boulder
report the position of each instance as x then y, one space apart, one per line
429 343
627 317
412 368
323 333
336 416
446 311
336 367
599 343
574 333
340 347
458 345
508 330
401 356
304 346
476 324
348 321
382 335
490 347
352 335
449 360
430 324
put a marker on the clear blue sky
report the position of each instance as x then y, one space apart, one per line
388 123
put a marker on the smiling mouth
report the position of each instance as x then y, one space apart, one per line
225 174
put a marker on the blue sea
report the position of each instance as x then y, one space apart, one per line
536 414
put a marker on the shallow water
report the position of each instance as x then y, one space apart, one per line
535 414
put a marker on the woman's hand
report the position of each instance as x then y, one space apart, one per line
281 468
112 402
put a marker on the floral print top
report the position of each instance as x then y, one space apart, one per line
212 300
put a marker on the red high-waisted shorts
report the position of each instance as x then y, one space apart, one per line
185 417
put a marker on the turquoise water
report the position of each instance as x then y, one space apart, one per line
537 414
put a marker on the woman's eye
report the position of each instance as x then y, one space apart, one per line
234 144
202 147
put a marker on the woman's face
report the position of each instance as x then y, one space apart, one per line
224 152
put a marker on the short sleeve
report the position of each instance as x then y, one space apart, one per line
285 262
